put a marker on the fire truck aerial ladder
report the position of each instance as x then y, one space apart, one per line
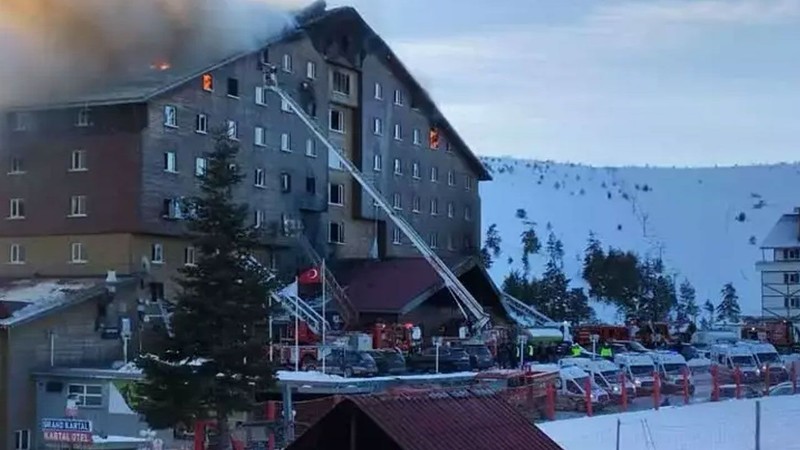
469 306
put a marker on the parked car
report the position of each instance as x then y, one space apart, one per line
629 346
390 362
785 388
451 359
728 391
349 363
480 358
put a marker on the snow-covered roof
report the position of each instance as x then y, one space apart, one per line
785 233
25 299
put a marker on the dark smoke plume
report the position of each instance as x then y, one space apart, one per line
60 46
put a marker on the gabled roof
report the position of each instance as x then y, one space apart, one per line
785 233
143 85
437 420
391 286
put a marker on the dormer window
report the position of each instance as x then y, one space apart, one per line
791 253
84 118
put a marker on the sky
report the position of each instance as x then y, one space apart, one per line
607 82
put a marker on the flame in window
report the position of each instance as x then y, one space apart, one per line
161 65
433 138
208 82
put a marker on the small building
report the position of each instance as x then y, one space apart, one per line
780 269
49 323
105 399
408 290
433 421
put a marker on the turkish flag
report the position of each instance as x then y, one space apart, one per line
310 276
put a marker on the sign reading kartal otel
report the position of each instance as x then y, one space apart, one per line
73 431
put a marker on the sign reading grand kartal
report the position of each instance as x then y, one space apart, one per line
69 431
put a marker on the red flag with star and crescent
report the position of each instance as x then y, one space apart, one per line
310 276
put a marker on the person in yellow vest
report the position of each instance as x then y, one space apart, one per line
605 351
576 350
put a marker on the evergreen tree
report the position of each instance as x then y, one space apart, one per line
709 308
657 296
554 284
728 308
578 309
687 309
491 246
214 360
530 245
594 267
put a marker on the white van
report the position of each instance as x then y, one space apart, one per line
671 366
638 367
570 387
728 357
766 355
605 373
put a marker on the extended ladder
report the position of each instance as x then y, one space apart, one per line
464 298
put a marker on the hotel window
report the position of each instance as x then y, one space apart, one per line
467 213
86 394
78 161
415 170
397 202
189 256
341 82
311 148
157 254
434 174
378 91
398 97
451 210
416 137
311 70
201 124
377 126
377 163
260 137
335 194
22 440
416 204
233 130
287 63
16 208
16 254
84 118
286 142
398 132
200 165
259 180
170 162
77 253
433 240
261 96
451 178
336 233
171 116
208 82
336 121
398 166
397 236
233 87
434 207
77 206
16 166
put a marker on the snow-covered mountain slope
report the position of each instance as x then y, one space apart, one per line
706 223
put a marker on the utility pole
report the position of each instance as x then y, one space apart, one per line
619 424
758 424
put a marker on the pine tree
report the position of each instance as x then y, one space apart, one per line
687 309
728 308
530 245
709 308
491 246
593 267
214 360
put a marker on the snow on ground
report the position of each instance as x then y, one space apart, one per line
727 425
32 296
314 376
689 216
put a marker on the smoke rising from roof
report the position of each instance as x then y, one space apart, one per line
62 46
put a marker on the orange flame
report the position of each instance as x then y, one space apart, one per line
161 65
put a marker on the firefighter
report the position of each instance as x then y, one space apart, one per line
576 350
529 351
605 351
